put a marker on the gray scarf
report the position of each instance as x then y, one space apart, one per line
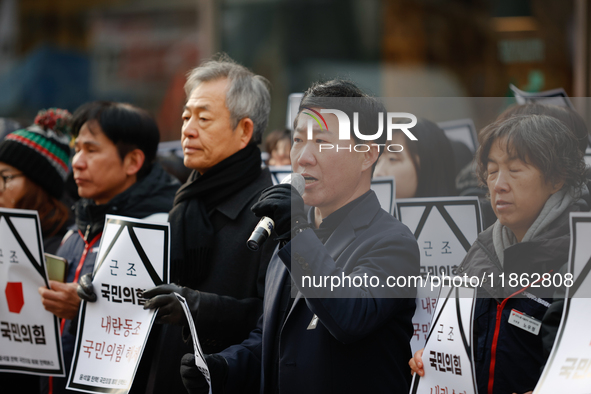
554 207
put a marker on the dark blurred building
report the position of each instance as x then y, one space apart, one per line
64 52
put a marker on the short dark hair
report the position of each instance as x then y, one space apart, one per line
326 95
540 140
566 115
127 126
433 158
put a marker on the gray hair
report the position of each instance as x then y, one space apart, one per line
540 140
247 96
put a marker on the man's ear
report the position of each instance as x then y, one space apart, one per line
370 157
133 161
245 128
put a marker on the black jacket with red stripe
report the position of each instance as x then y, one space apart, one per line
509 359
150 198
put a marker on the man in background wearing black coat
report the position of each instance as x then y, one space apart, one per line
223 281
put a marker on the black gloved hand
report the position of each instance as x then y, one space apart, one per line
85 290
170 310
284 205
194 380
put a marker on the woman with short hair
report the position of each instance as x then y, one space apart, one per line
534 171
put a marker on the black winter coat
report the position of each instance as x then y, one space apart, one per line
509 359
153 194
231 299
360 343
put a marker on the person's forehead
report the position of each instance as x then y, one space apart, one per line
208 95
501 150
318 127
283 144
398 137
92 133
6 167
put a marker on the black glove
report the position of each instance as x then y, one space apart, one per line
85 290
170 310
194 380
285 206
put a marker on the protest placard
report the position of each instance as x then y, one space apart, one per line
462 130
445 228
549 97
568 369
279 172
30 339
112 332
385 189
447 358
293 103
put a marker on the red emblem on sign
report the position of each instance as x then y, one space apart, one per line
14 296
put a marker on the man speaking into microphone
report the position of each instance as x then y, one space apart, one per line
318 339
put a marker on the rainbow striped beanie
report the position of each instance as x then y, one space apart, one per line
41 151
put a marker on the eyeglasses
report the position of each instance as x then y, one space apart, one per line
6 178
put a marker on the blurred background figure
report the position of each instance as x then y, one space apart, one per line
278 145
7 126
33 168
424 168
173 164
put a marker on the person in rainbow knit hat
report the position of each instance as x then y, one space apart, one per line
33 169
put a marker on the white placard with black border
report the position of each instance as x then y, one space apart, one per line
448 356
445 229
548 97
568 369
279 172
30 341
112 332
385 189
462 130
293 103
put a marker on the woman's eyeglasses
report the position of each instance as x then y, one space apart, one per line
6 178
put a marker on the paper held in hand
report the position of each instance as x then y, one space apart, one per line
112 332
199 356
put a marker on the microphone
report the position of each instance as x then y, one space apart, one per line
263 229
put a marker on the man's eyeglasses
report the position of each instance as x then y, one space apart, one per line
5 178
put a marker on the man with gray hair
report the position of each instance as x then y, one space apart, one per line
223 281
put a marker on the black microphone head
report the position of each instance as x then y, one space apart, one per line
297 181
